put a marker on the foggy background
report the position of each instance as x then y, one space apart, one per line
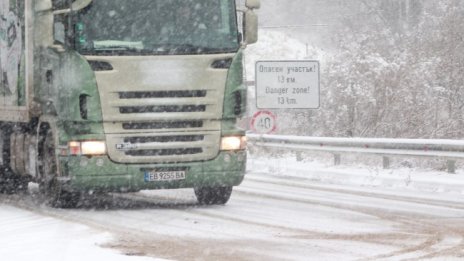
389 68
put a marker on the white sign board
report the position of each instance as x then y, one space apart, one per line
287 85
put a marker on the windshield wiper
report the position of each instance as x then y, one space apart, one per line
187 49
119 47
175 48
112 47
115 45
117 51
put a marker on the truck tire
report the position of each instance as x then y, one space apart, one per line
10 183
13 185
49 185
213 195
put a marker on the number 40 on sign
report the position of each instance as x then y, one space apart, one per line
264 122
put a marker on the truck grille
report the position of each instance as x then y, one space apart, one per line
162 109
180 124
162 125
164 148
188 138
165 152
158 109
163 94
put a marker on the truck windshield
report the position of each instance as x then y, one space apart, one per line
156 27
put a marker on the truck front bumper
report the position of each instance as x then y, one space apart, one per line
101 174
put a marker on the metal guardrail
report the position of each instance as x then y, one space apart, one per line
451 150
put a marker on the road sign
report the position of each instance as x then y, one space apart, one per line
264 122
287 85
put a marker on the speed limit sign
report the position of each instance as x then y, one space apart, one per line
264 122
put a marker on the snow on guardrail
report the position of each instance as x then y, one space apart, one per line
447 149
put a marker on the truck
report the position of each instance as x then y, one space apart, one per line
122 96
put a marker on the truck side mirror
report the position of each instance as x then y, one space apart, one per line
80 4
251 27
253 4
62 6
59 33
42 5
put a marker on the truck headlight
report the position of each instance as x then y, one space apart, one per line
87 148
233 143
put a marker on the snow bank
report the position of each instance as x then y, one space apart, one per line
25 236
397 179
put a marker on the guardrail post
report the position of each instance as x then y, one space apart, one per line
386 162
299 156
451 165
337 159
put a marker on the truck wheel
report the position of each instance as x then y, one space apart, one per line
10 183
13 185
49 185
213 196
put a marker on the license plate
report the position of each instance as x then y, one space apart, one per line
151 176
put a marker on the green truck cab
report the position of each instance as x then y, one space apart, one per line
123 95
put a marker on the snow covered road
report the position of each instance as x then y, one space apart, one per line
268 218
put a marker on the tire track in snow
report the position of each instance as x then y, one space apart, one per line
434 240
441 240
303 183
407 220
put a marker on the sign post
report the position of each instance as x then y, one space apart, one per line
288 84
